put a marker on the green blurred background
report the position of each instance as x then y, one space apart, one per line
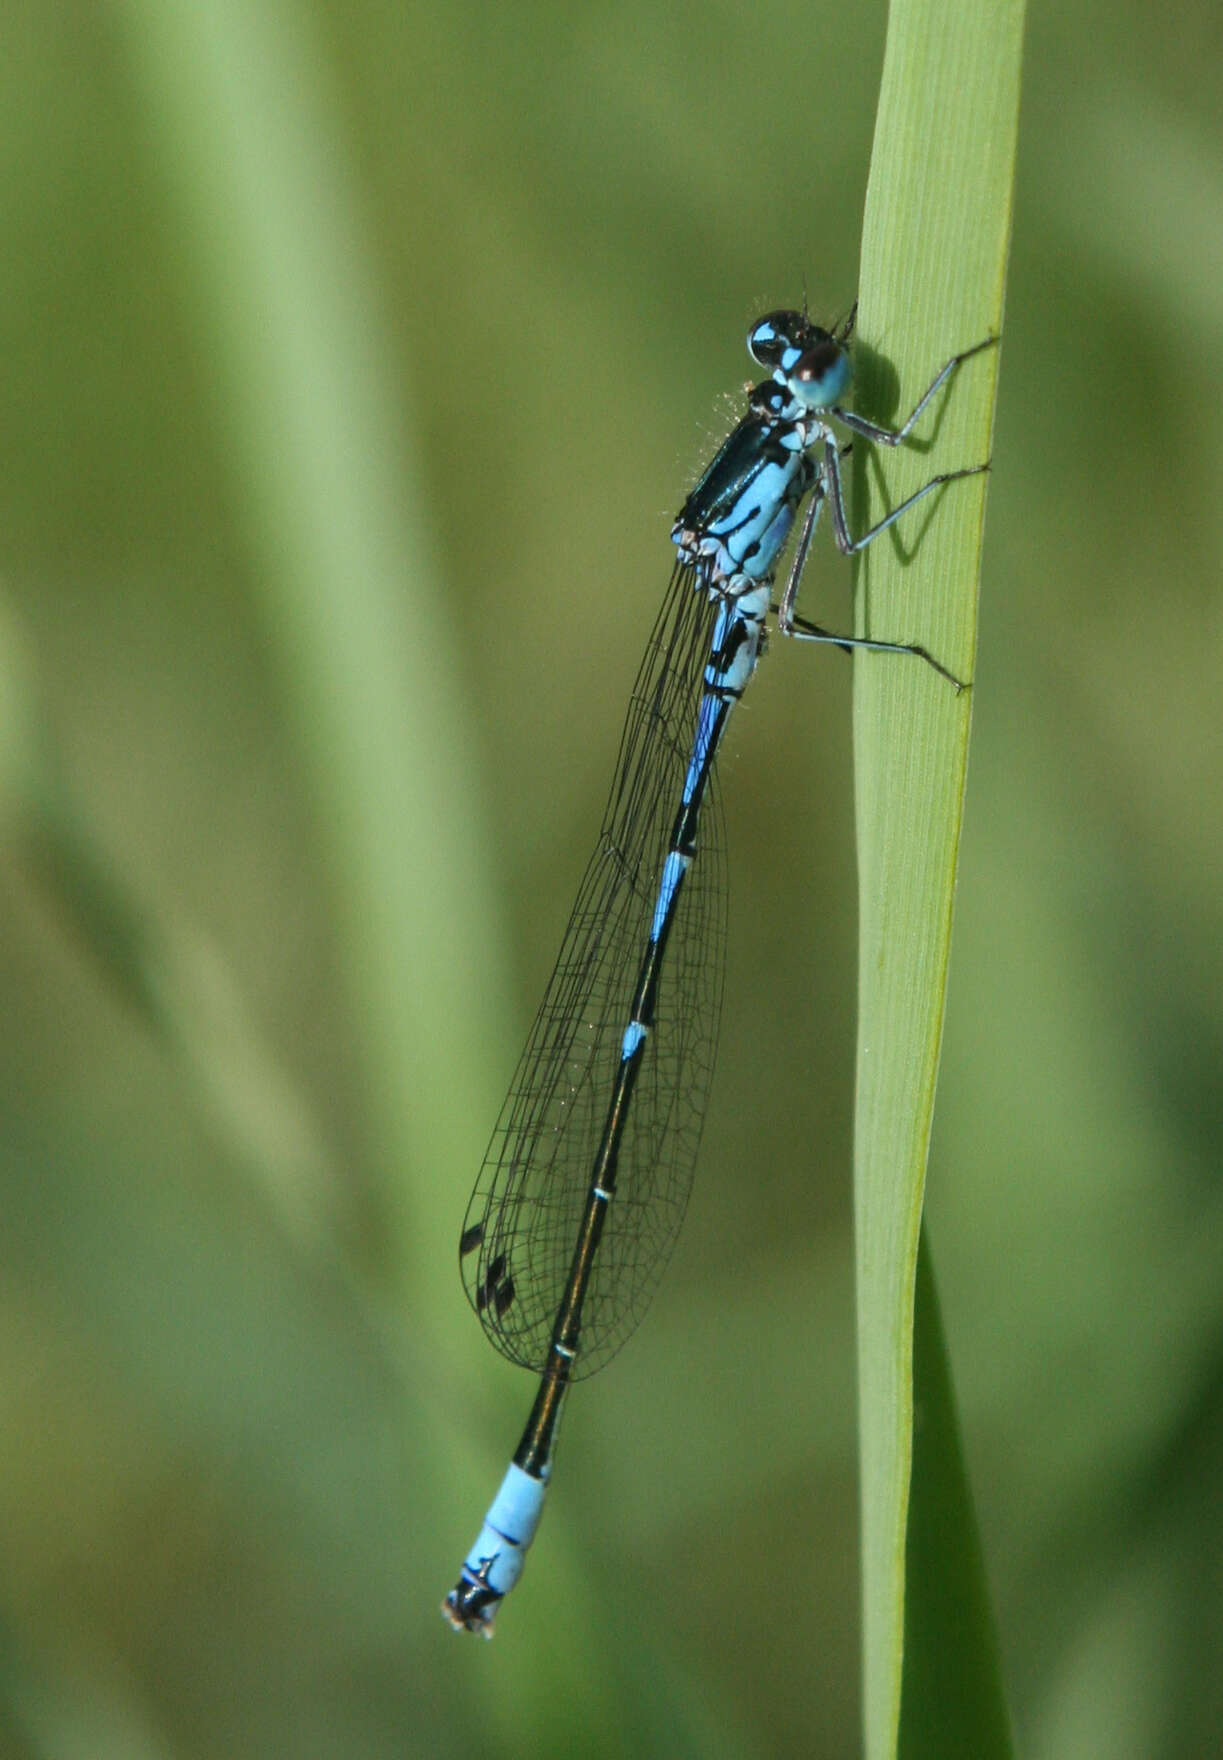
353 360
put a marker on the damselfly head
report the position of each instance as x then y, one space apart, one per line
810 363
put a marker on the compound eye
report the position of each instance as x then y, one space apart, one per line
821 374
775 335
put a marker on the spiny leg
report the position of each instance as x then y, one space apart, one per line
836 498
785 611
790 624
882 436
802 631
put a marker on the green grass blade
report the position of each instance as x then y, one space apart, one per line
952 1702
933 268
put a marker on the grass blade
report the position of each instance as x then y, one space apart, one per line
952 1701
933 267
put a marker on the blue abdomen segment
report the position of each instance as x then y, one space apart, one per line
494 1564
674 869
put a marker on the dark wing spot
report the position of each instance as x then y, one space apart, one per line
471 1237
487 1290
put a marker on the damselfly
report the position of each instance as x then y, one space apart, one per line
586 1179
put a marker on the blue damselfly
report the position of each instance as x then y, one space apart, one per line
586 1179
